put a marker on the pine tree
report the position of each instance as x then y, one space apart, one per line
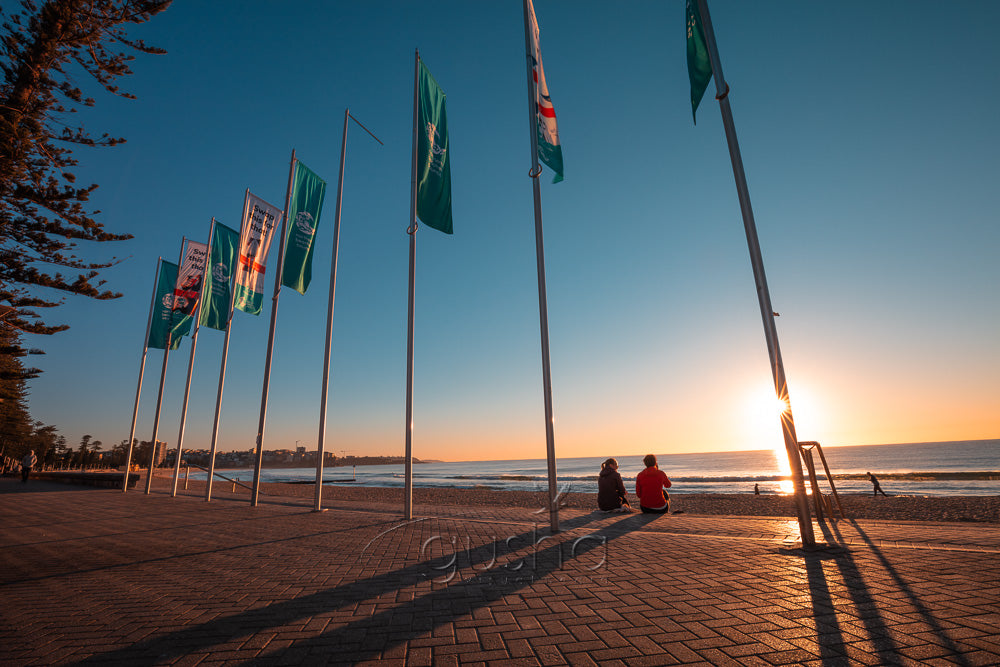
15 422
43 214
44 439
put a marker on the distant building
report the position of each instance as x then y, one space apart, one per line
161 452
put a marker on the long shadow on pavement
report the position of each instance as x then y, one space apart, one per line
924 611
368 637
826 610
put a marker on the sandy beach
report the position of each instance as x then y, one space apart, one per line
983 509
896 508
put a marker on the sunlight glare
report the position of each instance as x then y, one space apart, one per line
764 410
764 424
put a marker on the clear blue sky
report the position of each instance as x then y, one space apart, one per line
869 137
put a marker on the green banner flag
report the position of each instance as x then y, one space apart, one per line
308 191
163 309
699 65
215 294
433 163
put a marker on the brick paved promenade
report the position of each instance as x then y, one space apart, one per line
94 576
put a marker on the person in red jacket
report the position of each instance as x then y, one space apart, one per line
649 487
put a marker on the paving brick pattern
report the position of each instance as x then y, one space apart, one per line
94 576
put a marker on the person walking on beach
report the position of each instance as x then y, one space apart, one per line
26 463
611 494
877 488
649 487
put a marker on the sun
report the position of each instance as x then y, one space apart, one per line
763 420
780 405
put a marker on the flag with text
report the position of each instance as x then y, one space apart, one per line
256 232
187 289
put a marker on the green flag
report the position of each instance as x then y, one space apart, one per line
433 164
308 191
699 65
215 294
163 309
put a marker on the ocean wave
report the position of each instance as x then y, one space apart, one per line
987 475
497 478
984 475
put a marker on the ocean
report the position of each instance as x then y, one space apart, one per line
964 468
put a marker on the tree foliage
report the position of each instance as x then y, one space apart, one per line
43 213
43 440
15 422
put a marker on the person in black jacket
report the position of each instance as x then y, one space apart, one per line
877 488
611 495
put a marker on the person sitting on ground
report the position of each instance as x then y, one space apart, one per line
649 487
611 494
877 488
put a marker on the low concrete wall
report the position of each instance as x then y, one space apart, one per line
108 479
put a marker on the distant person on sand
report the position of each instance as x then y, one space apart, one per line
611 494
756 489
650 485
877 488
29 460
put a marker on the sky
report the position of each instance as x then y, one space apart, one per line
869 139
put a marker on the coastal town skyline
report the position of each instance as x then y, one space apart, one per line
870 171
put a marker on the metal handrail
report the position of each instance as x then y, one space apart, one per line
219 474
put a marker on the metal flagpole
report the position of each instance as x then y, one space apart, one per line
329 322
142 368
187 383
329 314
763 296
412 231
222 372
159 395
270 338
543 316
156 417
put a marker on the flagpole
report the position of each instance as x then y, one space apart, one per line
222 370
187 384
142 368
156 417
412 231
159 394
270 338
543 317
763 295
321 441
